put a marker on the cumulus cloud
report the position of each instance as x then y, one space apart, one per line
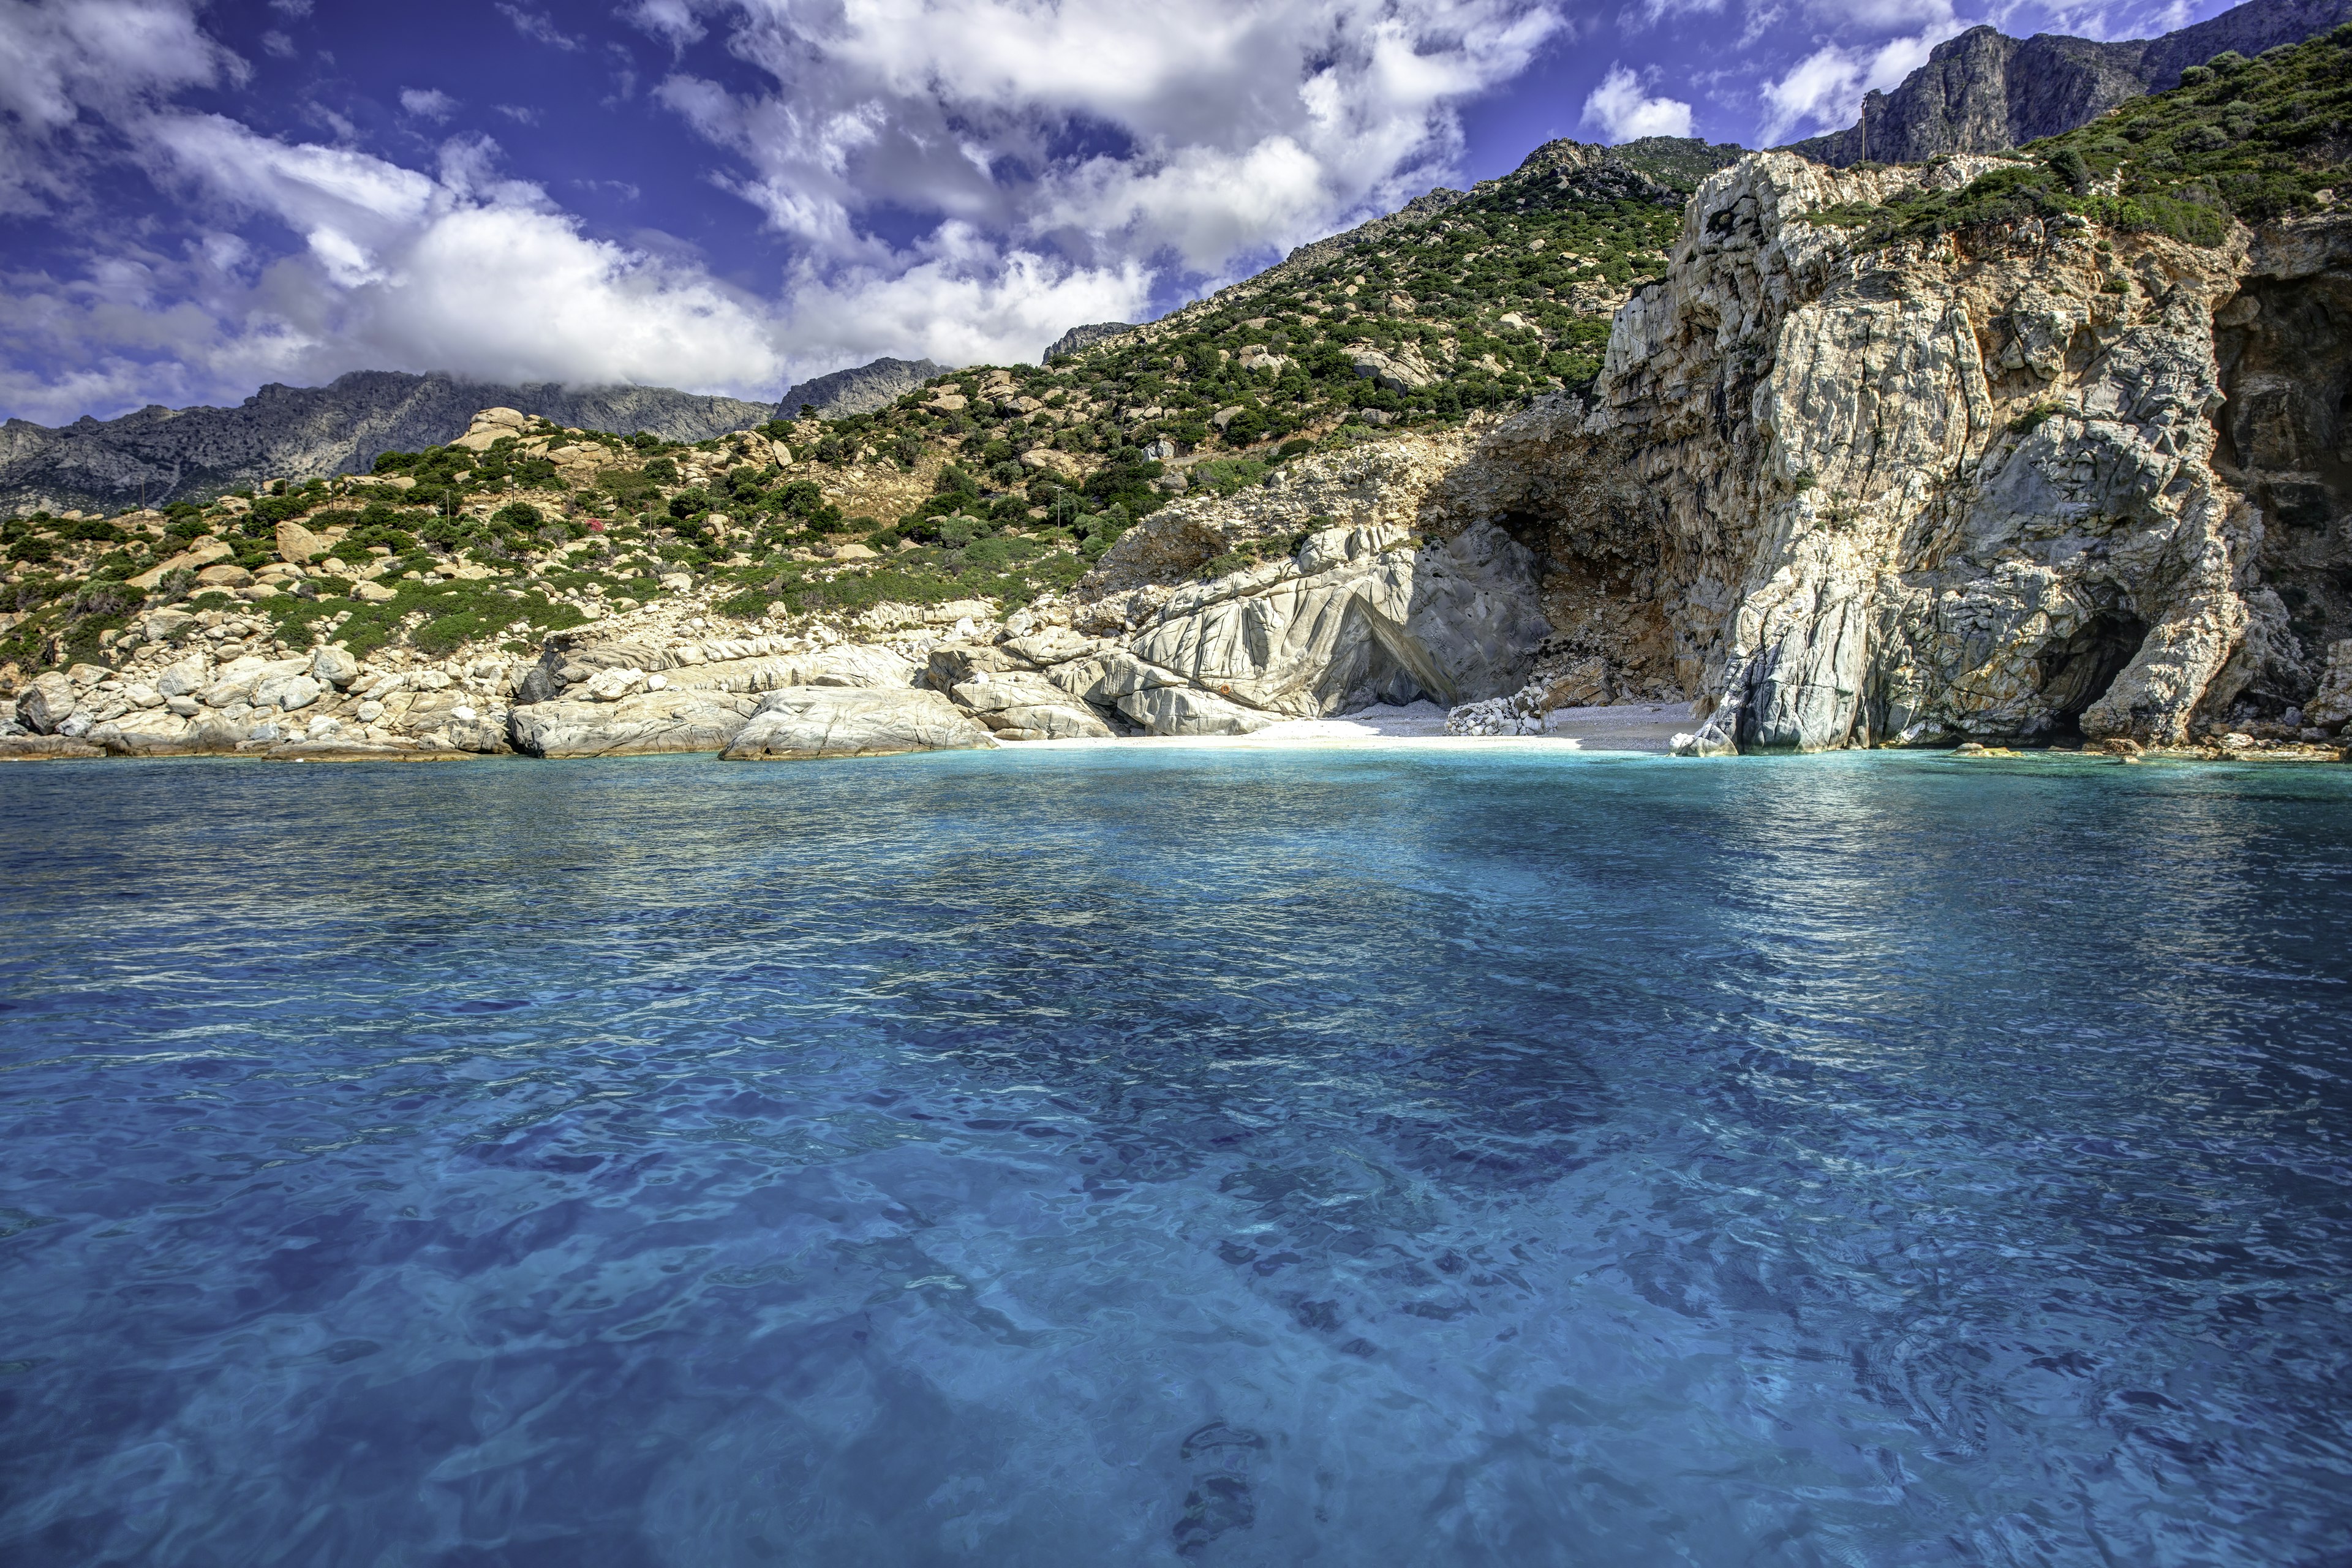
1201 129
1622 112
468 271
1062 164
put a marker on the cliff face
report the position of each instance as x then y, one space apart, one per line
1933 492
1984 92
161 454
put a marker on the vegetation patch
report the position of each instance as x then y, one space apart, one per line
2251 139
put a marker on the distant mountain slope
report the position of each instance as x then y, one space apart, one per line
177 454
1084 337
1984 92
861 389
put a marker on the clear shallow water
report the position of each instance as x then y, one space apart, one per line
1162 1157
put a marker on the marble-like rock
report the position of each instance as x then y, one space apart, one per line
47 702
44 748
288 692
648 722
334 666
805 722
1362 616
1187 711
235 681
1030 702
157 732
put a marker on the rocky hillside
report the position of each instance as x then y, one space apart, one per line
859 390
2044 447
162 454
1984 92
2025 447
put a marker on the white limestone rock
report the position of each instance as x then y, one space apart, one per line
803 723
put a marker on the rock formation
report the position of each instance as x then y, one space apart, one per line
1945 490
1915 456
161 454
1078 338
861 389
1984 92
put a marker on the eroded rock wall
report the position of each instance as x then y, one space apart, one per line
1936 491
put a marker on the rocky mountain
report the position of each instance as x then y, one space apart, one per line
161 454
861 389
1086 337
1984 92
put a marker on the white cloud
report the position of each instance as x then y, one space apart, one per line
1066 155
1824 91
965 302
1650 13
539 27
426 103
1622 112
113 57
1212 130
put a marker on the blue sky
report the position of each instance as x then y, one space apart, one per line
727 195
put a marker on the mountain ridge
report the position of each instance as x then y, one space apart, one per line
157 455
1984 92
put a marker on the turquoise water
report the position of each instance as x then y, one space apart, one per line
1175 1157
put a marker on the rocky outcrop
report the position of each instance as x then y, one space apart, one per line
1359 616
808 723
638 724
1081 337
159 454
1984 92
1927 493
861 389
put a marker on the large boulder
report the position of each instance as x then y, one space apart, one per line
298 544
237 680
47 701
1029 706
1187 711
665 720
157 733
289 691
800 724
334 666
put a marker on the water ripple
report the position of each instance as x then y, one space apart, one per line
1160 1157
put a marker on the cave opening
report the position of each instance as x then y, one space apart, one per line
1387 679
2077 671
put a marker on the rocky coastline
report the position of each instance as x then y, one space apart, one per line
1976 455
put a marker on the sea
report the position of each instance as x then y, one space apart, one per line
1473 1155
